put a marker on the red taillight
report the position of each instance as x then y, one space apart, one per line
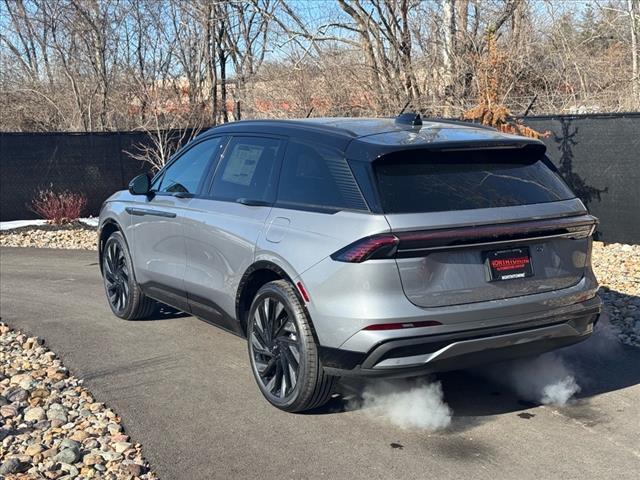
397 326
421 242
376 246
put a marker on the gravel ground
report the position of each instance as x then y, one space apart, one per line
76 236
51 426
617 268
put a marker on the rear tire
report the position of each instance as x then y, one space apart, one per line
123 292
282 351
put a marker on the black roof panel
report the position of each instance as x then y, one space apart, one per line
279 126
381 135
364 127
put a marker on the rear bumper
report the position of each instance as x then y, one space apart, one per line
413 356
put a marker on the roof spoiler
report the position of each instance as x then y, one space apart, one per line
523 144
529 147
526 149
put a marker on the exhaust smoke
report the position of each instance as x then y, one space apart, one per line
550 378
406 403
544 379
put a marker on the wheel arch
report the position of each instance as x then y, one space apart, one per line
108 227
258 274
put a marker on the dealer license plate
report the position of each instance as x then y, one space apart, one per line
508 264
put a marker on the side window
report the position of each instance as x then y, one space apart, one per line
247 169
184 175
317 176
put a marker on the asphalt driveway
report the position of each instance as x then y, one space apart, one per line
184 390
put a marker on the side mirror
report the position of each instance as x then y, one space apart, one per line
140 185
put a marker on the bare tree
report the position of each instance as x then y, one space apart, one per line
84 65
96 24
165 133
246 39
633 7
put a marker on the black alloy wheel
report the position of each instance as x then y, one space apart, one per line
275 348
283 350
116 277
124 295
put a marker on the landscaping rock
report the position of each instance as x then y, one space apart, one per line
121 447
92 459
67 455
51 427
8 411
134 469
13 465
15 394
35 414
49 236
617 268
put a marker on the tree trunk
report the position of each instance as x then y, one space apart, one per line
211 63
448 54
634 7
411 85
367 48
222 59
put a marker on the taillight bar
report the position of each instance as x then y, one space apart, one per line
581 226
407 244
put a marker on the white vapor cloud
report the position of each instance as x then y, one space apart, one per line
544 379
407 403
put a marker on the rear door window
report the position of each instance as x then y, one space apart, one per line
247 170
415 181
317 177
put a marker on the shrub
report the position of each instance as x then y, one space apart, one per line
489 109
58 207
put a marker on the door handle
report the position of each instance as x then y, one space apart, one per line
253 203
183 195
147 211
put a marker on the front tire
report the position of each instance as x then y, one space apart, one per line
123 293
283 353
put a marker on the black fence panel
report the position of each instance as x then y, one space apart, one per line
95 164
599 157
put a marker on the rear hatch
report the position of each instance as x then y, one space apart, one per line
481 224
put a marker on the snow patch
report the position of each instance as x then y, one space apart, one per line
21 223
90 221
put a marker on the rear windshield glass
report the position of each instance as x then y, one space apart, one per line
417 181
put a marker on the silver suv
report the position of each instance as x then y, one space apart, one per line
367 247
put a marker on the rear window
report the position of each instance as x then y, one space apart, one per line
414 181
